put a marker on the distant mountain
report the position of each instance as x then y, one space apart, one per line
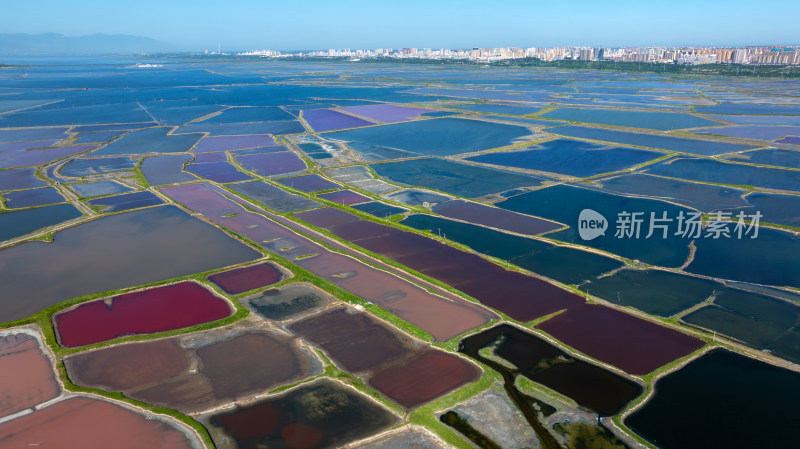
58 44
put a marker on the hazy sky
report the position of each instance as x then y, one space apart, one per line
312 24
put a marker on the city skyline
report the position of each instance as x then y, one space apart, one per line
248 24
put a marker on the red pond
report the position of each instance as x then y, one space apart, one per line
155 310
245 279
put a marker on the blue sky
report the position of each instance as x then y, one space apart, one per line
312 24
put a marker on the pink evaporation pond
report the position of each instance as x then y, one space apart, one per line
155 310
344 197
245 279
225 143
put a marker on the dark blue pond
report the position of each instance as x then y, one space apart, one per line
439 137
570 157
19 135
18 223
19 178
100 188
699 196
250 114
379 210
218 171
721 400
126 201
566 265
708 170
452 177
564 203
771 156
500 109
748 108
32 197
96 137
232 129
655 292
87 115
760 321
649 140
778 209
634 119
86 167
150 140
769 259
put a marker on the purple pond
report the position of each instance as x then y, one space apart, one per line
387 113
326 120
224 143
268 164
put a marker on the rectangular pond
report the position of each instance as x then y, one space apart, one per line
437 137
99 188
222 172
269 164
19 178
760 321
632 344
708 170
465 180
240 280
308 183
567 265
702 147
274 197
18 223
326 120
660 293
386 113
126 201
494 217
196 372
148 311
569 157
633 119
166 169
564 203
150 140
225 143
33 197
317 415
288 301
686 398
